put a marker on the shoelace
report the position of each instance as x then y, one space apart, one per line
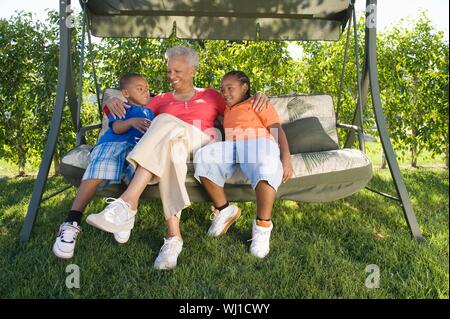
69 233
110 211
216 217
258 235
214 213
168 246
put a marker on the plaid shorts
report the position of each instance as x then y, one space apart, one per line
107 161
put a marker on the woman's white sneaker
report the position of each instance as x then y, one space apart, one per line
116 217
168 254
260 246
66 239
222 220
122 237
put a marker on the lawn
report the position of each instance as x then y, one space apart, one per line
317 250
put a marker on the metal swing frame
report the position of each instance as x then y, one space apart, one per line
368 80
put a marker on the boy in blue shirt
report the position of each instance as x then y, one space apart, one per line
107 163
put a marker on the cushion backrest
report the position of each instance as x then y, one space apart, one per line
309 122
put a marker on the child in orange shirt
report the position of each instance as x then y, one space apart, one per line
257 144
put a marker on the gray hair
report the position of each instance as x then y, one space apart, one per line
182 51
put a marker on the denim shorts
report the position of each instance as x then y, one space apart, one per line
258 159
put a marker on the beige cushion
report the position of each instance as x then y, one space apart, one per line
303 113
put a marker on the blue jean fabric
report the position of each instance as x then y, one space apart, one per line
259 159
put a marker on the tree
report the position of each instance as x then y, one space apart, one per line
321 67
413 63
268 65
413 73
29 52
28 62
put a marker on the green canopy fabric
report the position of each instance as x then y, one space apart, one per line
220 20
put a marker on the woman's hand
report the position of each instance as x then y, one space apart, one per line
139 123
117 107
260 101
287 166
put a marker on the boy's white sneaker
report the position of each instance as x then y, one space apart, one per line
116 217
168 254
122 237
66 239
260 240
222 220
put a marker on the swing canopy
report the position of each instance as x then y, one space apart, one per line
325 169
220 20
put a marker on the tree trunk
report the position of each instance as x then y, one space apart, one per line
22 172
57 163
22 160
414 123
414 156
446 157
414 149
383 160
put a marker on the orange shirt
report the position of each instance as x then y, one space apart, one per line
242 122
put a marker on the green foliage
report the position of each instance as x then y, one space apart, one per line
28 70
413 68
268 65
413 73
321 67
119 56
28 75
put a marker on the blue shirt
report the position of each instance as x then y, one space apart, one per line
132 135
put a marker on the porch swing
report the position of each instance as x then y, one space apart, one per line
323 172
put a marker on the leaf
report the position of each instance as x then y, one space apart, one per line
378 235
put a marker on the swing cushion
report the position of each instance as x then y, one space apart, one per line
321 171
310 136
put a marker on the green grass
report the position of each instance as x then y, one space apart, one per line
8 169
317 250
426 159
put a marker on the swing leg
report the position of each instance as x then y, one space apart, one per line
370 76
63 76
382 127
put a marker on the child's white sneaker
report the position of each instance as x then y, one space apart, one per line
116 217
122 237
260 240
222 220
66 239
168 254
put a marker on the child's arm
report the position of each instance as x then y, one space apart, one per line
285 154
139 123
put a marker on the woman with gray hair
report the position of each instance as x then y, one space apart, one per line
184 123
